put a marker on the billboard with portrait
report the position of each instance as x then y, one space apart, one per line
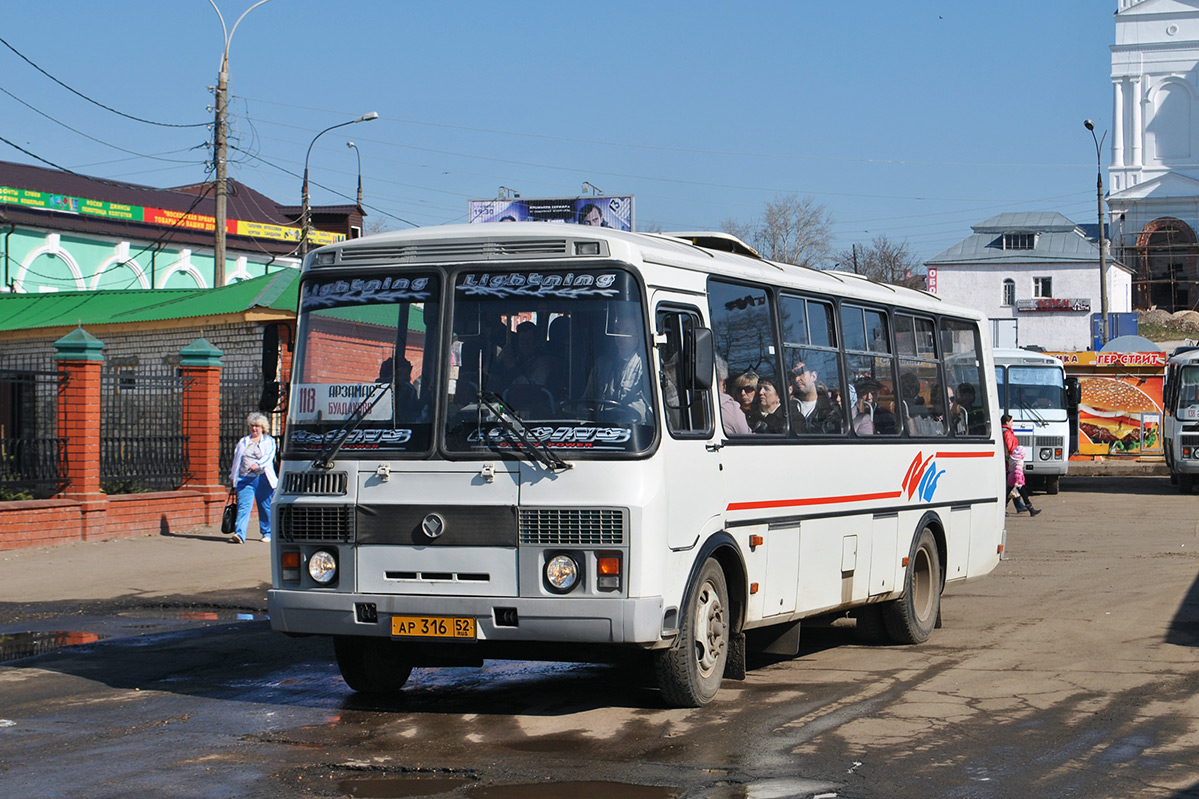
610 212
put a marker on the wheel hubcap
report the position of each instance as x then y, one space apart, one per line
709 629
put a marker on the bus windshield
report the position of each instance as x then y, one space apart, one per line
1188 393
366 364
1032 389
563 351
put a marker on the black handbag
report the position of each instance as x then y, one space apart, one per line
229 516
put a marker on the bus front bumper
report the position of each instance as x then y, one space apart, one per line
584 620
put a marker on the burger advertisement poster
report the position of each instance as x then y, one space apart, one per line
1119 415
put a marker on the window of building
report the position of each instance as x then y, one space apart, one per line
1009 292
1019 241
1042 287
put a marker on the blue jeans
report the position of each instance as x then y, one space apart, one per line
248 490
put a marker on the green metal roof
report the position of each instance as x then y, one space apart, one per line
278 291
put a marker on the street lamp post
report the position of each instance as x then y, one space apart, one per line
305 213
219 142
354 147
1102 236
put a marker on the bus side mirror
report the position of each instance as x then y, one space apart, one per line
699 357
1073 392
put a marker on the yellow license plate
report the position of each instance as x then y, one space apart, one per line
433 627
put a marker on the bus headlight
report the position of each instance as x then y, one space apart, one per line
322 566
1046 454
561 573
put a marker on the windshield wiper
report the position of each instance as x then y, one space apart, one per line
536 450
325 458
1040 419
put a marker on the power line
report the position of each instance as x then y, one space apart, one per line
697 151
62 168
326 188
92 138
95 102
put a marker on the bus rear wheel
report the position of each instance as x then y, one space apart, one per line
372 665
911 618
689 673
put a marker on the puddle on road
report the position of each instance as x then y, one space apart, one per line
403 787
399 787
125 624
192 615
14 646
575 790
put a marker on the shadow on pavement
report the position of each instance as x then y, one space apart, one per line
1184 627
1140 486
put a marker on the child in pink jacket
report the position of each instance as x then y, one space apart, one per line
1018 493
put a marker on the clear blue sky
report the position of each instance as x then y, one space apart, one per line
913 120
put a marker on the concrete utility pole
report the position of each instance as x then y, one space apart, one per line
219 148
1102 236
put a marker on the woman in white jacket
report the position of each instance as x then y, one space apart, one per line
253 476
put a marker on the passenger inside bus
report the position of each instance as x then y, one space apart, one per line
812 411
745 390
976 418
768 415
865 406
529 376
917 417
618 380
951 418
732 419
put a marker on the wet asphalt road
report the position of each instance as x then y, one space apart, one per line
1073 670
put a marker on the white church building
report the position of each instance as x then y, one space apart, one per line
1036 275
1154 172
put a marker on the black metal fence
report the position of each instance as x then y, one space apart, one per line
142 447
241 389
33 459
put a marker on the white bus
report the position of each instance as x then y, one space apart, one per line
515 441
1180 401
1032 388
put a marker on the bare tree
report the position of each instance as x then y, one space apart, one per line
377 225
792 229
885 261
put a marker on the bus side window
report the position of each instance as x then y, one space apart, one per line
962 350
687 408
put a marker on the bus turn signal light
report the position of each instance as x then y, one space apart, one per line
289 561
607 568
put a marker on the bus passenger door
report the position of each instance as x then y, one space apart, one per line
691 468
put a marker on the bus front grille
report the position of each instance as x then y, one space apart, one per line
1049 441
332 483
573 526
316 523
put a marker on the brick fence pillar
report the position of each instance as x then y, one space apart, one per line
200 363
79 358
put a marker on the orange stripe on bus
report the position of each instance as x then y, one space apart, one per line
984 454
791 503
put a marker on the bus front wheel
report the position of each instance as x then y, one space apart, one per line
689 673
372 665
911 618
1053 484
1186 483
